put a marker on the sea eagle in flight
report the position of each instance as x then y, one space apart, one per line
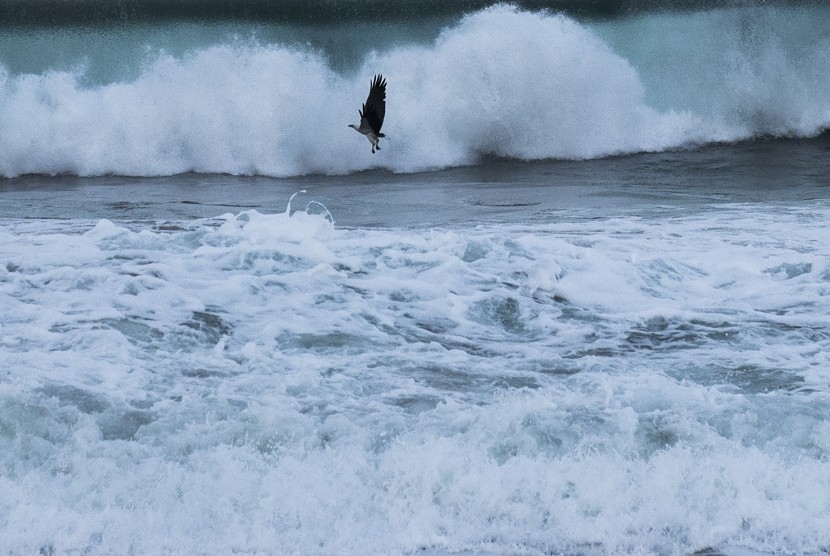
374 109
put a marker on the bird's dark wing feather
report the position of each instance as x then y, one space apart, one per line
374 109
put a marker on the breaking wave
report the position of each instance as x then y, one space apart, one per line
502 82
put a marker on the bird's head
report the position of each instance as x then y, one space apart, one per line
352 126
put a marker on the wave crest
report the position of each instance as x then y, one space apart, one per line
502 82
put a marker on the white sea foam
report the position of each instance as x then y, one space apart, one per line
500 82
274 384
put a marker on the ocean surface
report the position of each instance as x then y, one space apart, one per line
579 303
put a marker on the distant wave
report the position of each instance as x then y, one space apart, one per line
503 81
62 12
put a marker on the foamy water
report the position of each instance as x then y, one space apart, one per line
501 81
266 383
602 357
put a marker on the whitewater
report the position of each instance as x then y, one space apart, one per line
271 383
578 304
499 82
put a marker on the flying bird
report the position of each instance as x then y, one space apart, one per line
374 109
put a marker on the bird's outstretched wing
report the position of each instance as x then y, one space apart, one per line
374 109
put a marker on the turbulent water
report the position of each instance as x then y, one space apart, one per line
272 383
494 341
160 98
